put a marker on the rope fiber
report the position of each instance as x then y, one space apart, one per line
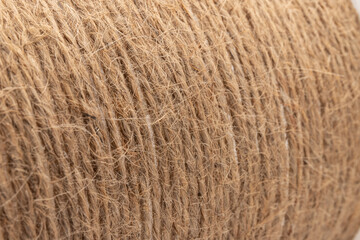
179 119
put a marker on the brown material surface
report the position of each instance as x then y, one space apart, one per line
179 119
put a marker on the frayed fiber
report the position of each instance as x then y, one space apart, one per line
164 119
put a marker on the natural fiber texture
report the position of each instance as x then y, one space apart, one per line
179 119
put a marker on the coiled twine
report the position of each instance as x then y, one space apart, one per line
179 119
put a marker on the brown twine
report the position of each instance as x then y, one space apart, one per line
179 119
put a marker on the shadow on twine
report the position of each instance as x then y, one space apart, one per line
179 119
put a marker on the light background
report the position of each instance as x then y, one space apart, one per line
357 5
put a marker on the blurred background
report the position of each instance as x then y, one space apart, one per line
357 5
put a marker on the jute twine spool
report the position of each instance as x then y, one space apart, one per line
179 119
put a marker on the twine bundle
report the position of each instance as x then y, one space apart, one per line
179 119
